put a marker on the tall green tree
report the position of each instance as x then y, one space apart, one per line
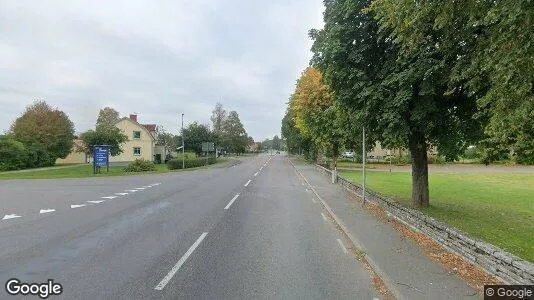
296 142
195 134
402 100
234 136
107 116
277 143
490 45
46 129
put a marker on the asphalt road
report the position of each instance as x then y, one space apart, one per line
249 231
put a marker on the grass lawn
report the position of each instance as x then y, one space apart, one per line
84 171
498 208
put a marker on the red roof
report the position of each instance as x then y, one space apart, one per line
150 127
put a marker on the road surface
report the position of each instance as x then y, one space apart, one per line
249 231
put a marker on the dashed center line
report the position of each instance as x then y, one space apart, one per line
248 182
121 194
342 246
95 201
77 205
130 191
109 197
256 174
45 211
231 201
179 264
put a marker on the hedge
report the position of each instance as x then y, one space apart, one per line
176 164
140 165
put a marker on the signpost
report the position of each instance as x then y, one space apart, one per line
206 148
100 158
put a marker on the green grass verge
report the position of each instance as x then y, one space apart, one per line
86 171
498 208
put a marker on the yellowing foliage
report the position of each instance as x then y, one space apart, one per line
310 99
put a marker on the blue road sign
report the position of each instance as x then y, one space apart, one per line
101 155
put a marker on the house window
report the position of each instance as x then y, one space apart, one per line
137 135
137 151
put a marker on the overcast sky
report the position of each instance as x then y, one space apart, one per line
155 58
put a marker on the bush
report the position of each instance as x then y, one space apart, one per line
13 155
39 157
176 164
140 165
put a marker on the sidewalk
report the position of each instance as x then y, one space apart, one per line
401 264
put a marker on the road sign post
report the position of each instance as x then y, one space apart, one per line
100 158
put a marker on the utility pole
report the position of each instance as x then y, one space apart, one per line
183 148
364 156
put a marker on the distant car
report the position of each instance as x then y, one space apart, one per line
348 154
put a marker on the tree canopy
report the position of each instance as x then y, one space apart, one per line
194 135
103 135
233 135
107 116
45 129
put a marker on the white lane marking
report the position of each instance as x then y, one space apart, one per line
261 168
255 174
157 183
324 217
246 184
231 201
45 211
131 191
109 197
141 188
342 246
179 264
95 201
121 194
77 205
313 200
7 217
147 186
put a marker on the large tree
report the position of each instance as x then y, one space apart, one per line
195 134
45 128
402 100
296 142
107 116
234 136
490 45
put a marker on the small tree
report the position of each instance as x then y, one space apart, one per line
107 116
103 135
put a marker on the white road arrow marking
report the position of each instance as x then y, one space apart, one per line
45 211
109 197
96 201
6 217
77 205
121 194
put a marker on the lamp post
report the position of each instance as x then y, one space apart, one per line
183 148
364 156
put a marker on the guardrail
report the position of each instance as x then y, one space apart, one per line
497 262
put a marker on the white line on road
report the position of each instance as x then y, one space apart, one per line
231 201
157 183
141 188
179 264
324 217
121 194
255 174
342 246
95 201
77 205
109 197
131 191
246 184
7 217
45 211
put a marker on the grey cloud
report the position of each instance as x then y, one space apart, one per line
157 58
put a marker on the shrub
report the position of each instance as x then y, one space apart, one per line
38 157
13 155
140 165
176 164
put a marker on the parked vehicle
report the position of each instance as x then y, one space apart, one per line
348 154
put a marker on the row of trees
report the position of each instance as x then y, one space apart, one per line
37 138
418 74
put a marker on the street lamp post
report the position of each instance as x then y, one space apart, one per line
183 148
364 156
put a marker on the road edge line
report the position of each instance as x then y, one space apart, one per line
356 244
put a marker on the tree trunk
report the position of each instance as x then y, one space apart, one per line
418 150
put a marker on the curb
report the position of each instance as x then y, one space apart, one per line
355 243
